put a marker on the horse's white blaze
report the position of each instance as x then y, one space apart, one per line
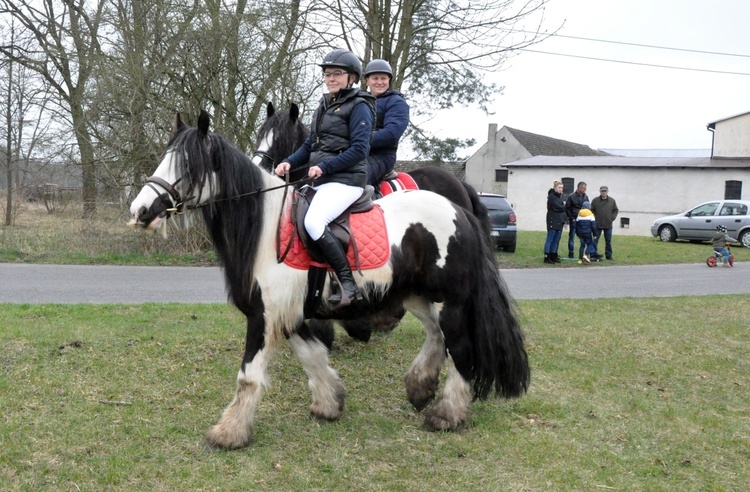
435 213
263 146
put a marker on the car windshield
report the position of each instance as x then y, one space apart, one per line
705 209
495 203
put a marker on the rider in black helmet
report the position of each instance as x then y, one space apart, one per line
336 151
390 123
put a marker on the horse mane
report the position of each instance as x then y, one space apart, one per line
288 131
234 221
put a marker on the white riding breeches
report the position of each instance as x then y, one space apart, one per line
330 200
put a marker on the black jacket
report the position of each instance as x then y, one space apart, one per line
329 137
555 211
574 204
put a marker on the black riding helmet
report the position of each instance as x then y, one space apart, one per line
341 58
378 66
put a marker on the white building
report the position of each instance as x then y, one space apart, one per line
645 188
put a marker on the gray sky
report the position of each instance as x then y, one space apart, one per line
615 105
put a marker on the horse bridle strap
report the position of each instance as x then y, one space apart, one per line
169 188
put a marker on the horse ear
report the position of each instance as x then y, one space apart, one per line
203 121
270 110
178 124
293 112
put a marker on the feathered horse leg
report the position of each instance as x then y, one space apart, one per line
328 392
235 428
423 376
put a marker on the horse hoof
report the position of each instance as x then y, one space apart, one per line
421 392
444 416
436 423
329 411
218 439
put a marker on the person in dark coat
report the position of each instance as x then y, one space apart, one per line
556 219
572 206
390 122
605 209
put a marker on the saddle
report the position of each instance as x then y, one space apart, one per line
340 227
396 181
362 226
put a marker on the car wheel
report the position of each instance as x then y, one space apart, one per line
510 248
667 234
745 239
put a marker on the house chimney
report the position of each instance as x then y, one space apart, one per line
492 132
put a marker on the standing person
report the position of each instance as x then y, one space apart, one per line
336 151
719 242
586 230
572 206
605 210
555 222
390 123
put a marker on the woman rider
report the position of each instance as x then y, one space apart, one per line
336 151
390 123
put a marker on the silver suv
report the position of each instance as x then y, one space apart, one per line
699 223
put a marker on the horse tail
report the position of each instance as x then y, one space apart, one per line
499 355
479 209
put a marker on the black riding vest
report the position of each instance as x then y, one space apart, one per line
330 135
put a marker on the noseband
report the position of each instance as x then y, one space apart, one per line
173 205
265 158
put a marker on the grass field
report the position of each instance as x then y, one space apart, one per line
64 238
626 394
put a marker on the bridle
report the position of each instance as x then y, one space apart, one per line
170 202
265 157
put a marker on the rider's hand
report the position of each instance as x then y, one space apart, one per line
282 168
314 172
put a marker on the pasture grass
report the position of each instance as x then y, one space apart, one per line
626 394
65 238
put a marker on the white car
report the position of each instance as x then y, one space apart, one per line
699 223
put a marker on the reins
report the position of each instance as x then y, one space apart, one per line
177 209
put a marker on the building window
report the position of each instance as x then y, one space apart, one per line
501 175
732 190
568 187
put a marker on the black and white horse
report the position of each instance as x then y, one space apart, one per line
440 269
283 132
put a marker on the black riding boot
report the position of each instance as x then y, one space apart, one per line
335 256
555 258
547 258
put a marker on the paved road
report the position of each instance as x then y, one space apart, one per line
35 284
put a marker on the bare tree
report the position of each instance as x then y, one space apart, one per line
440 50
25 128
65 51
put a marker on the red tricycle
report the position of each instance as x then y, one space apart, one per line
717 258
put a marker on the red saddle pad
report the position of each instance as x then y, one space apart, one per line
368 229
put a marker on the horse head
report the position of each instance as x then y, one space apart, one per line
280 135
182 179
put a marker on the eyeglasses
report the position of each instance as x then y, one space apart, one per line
335 73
